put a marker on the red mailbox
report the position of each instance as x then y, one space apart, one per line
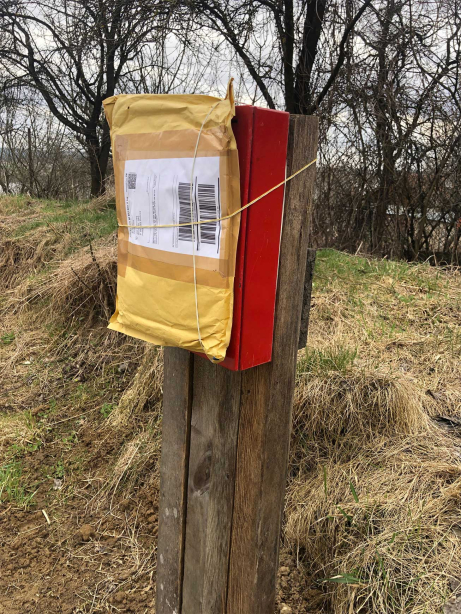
262 139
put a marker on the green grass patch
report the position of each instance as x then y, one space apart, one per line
83 223
7 338
333 267
12 488
106 409
74 224
330 359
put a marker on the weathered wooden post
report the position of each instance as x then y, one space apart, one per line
226 441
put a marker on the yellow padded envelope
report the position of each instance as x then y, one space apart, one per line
154 138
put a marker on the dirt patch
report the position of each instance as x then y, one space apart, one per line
295 595
48 568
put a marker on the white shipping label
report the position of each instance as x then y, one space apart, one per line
159 192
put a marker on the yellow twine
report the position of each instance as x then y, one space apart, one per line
197 319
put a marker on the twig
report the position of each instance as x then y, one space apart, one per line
82 281
58 234
73 417
104 277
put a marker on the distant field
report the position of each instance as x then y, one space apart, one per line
373 519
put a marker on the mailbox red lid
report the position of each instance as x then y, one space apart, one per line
262 139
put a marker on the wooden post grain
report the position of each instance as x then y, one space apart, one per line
226 441
267 398
174 471
215 412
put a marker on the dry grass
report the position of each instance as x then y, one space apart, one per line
67 389
359 404
375 489
82 285
379 532
140 405
140 454
145 389
24 256
36 234
396 317
15 429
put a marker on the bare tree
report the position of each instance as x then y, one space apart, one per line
39 155
75 53
278 42
391 134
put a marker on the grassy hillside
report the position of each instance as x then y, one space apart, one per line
372 518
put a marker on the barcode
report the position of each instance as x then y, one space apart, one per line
132 181
206 195
185 232
207 210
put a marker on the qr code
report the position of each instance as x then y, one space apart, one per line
132 181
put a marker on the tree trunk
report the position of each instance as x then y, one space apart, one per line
30 161
97 179
288 49
98 154
313 24
383 133
384 200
